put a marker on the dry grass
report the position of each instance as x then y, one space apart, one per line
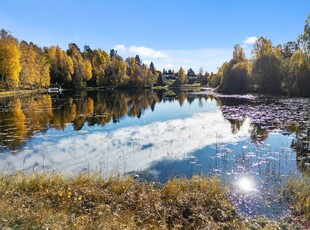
297 191
19 92
88 202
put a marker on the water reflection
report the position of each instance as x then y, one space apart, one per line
250 142
22 118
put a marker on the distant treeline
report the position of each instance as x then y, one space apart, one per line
272 69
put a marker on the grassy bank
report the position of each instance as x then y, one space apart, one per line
297 191
19 92
88 202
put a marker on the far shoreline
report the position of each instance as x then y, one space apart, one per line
186 87
13 93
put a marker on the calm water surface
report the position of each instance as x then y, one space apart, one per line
252 143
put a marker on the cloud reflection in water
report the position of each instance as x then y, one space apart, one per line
126 149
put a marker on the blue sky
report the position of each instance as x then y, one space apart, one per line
171 33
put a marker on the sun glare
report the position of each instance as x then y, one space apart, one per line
245 184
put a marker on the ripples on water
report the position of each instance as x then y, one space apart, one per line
252 143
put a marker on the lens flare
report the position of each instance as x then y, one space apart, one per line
245 184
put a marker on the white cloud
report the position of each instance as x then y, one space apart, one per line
146 52
247 45
209 59
120 47
250 40
169 65
147 62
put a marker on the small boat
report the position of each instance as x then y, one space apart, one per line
55 90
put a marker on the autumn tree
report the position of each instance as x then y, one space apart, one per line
28 74
235 74
116 72
61 65
34 66
9 60
304 39
262 46
43 71
100 61
120 70
182 77
214 80
238 54
300 72
238 78
134 72
221 74
42 78
82 68
147 76
152 75
87 70
266 67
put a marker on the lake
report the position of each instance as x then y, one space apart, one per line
252 143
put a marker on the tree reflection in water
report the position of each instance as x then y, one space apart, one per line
22 118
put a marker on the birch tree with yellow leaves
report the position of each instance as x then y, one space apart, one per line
9 60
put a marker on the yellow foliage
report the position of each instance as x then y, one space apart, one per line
9 60
61 65
43 72
87 70
28 73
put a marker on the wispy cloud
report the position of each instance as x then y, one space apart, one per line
120 47
249 40
209 59
142 51
247 45
147 52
